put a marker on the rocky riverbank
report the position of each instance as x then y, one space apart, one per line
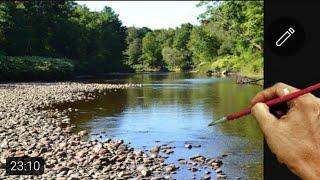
240 79
249 80
29 128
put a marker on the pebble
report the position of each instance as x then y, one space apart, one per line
224 155
196 145
61 178
4 144
198 158
218 170
120 174
155 149
83 133
144 171
189 146
97 148
167 151
35 154
221 176
62 145
194 169
170 168
182 161
153 155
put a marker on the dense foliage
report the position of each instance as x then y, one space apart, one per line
35 68
94 40
230 37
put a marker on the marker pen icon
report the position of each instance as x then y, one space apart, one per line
285 37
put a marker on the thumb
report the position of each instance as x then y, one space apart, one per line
265 119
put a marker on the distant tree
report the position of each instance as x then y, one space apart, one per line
181 40
182 36
203 46
151 53
133 52
175 59
164 37
97 42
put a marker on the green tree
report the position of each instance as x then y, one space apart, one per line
63 29
164 37
182 36
97 42
203 46
133 52
174 58
242 20
151 53
181 40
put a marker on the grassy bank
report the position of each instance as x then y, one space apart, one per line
26 68
246 65
35 68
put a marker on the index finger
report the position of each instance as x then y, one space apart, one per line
275 91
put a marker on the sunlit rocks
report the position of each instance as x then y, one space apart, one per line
155 149
30 125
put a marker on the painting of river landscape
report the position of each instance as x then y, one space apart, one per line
127 89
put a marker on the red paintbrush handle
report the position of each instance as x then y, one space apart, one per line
239 114
276 101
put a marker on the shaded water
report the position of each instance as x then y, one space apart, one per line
175 109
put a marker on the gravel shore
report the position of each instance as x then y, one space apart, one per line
29 127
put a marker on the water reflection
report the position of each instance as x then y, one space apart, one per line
174 109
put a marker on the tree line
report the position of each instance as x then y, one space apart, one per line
50 34
94 41
230 37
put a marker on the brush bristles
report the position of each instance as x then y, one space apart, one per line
218 121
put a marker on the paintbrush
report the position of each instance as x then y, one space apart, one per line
270 103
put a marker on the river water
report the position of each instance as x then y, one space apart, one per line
174 109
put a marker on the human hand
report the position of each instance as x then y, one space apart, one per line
294 137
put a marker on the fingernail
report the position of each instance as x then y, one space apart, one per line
286 91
